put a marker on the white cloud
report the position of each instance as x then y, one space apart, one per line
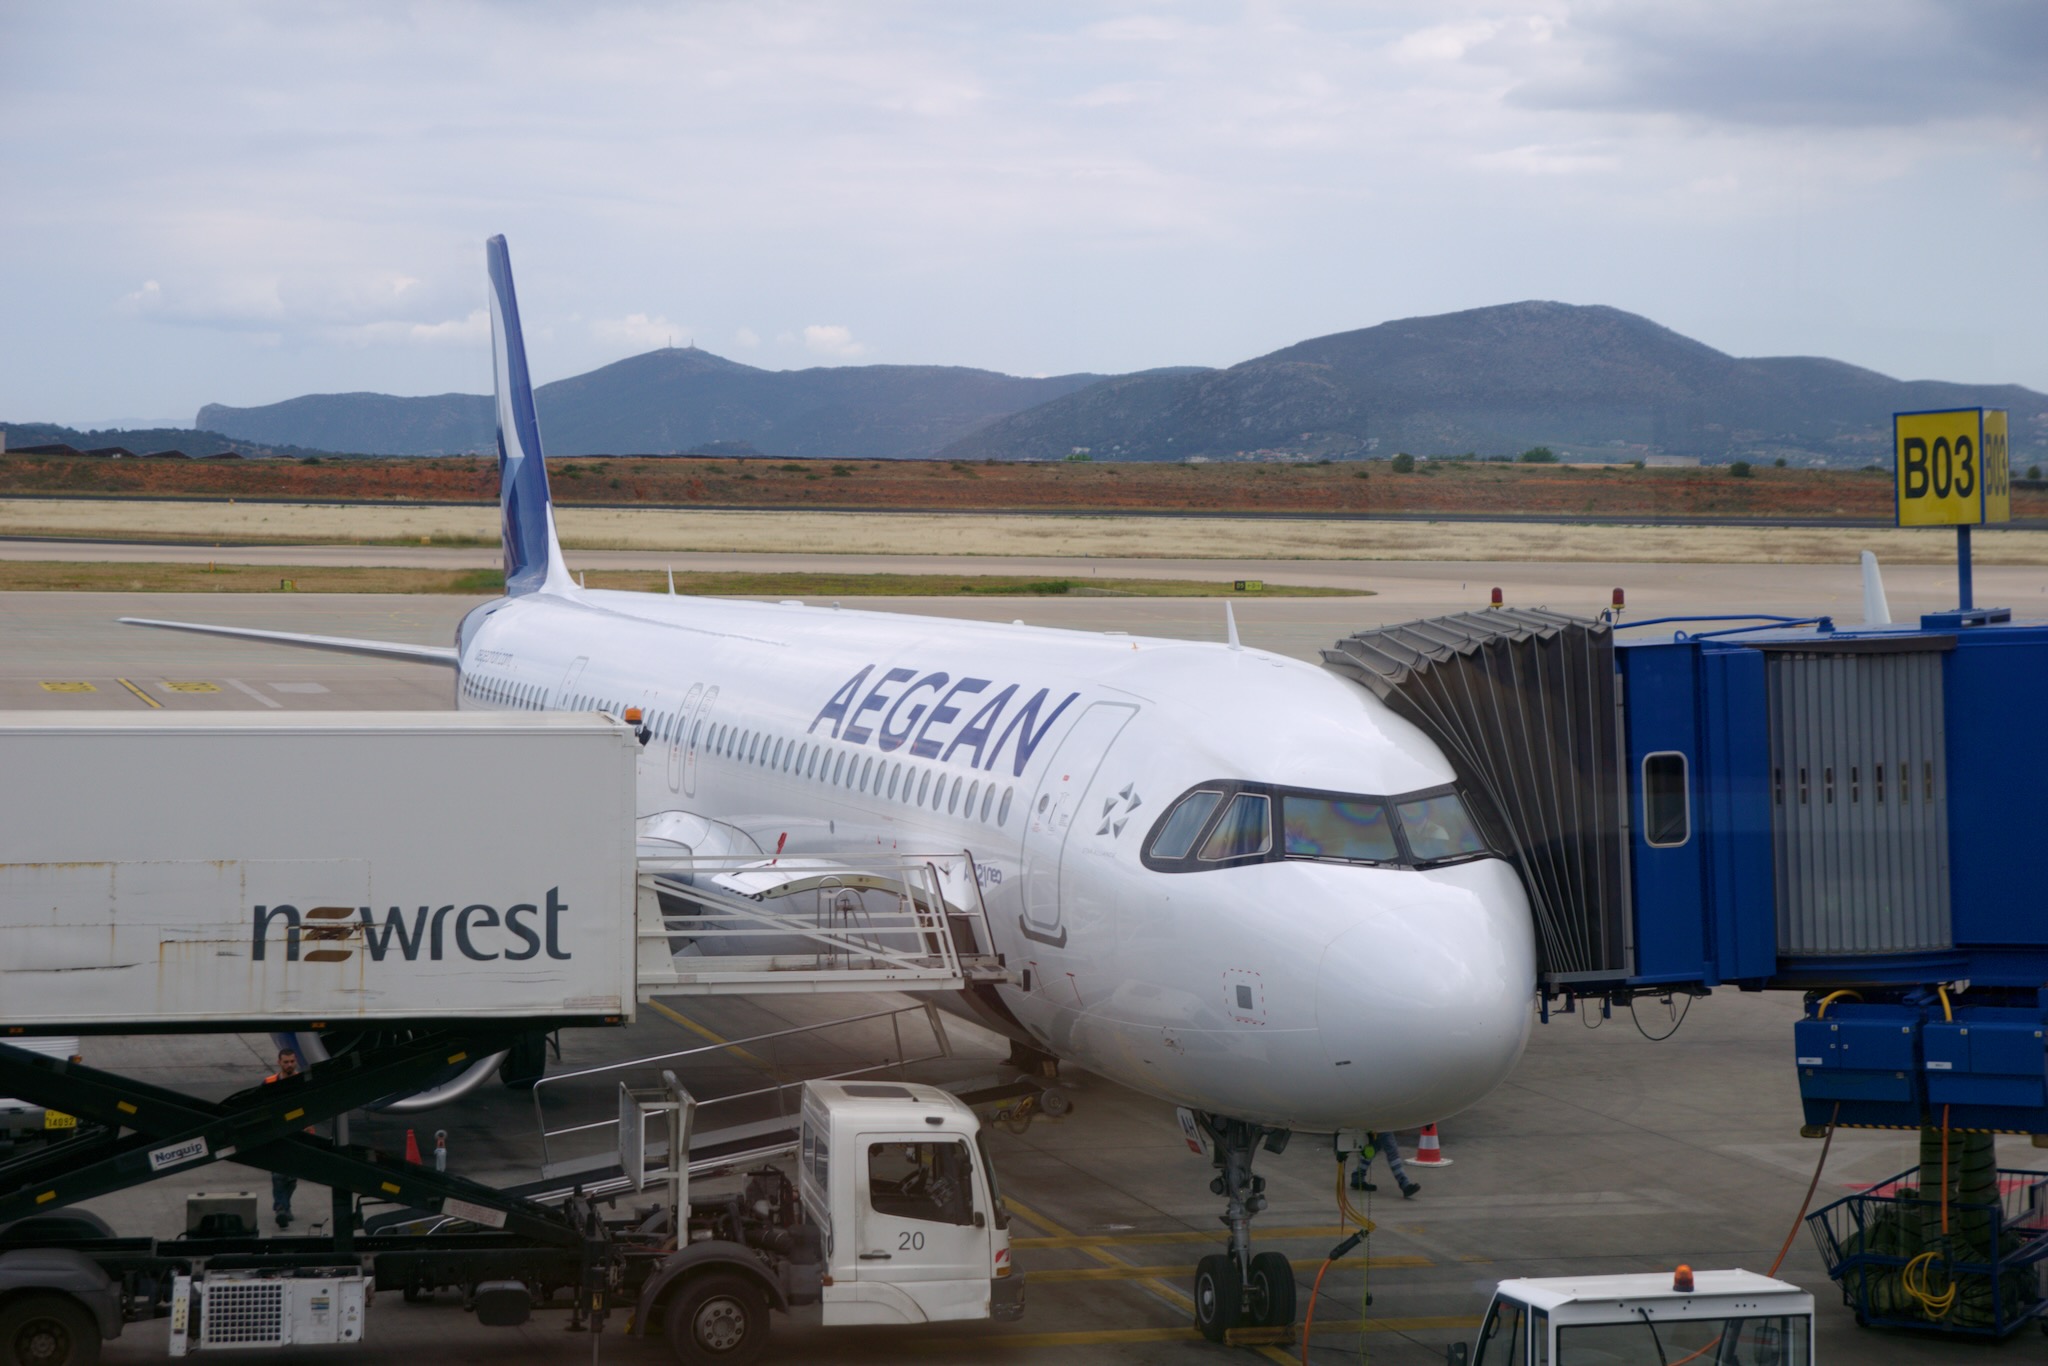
470 332
641 331
746 339
831 339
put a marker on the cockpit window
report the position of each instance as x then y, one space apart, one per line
1357 829
1243 831
1230 822
1439 827
1185 822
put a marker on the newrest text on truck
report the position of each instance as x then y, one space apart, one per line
438 888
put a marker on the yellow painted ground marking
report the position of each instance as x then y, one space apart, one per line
1131 1273
709 1036
192 687
1059 1235
1110 1336
126 1107
64 685
1088 1240
387 1188
146 698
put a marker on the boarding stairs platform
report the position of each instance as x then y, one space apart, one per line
863 920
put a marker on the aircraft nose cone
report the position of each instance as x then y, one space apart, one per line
1424 1007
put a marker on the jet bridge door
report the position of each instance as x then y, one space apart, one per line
1524 705
1859 795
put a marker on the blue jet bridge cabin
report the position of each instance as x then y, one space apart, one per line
1771 805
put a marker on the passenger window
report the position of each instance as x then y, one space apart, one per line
1357 829
1003 811
1242 831
1667 809
1439 827
1177 836
987 796
933 1182
895 776
867 771
924 782
838 766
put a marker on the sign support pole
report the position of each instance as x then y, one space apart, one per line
1963 585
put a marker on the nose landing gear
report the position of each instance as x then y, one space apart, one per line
1235 1288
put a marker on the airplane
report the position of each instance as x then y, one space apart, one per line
1218 876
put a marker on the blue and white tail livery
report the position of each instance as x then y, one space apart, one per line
533 553
1226 878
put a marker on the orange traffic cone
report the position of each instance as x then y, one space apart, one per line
412 1148
1428 1151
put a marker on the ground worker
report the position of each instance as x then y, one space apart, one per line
1383 1144
282 1186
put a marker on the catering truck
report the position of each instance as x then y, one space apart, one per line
412 896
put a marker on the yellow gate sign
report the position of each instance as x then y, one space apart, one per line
1951 467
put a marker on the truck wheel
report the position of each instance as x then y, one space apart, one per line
526 1062
1271 1290
48 1330
719 1321
1219 1296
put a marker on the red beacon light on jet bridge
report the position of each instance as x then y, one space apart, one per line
1620 601
1681 1279
1497 598
632 716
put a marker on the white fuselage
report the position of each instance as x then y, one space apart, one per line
1302 994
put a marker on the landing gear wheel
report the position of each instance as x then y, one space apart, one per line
1270 1291
1219 1295
48 1330
720 1321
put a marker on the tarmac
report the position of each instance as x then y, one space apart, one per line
1603 1152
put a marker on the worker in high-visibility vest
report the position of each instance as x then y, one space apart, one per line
1384 1145
282 1186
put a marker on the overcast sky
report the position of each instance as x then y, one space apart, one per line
241 202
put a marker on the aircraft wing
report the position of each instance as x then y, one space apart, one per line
442 655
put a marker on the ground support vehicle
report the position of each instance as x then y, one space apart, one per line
420 953
1710 1318
893 1217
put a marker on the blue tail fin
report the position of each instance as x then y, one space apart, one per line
533 555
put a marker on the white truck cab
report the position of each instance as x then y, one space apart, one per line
1709 1318
899 1178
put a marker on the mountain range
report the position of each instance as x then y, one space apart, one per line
675 400
1591 382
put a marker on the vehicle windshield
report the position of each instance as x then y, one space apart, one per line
1774 1340
1226 823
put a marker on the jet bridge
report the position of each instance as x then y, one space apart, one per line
1770 804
